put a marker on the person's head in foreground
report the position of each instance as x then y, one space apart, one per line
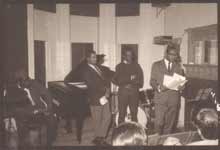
172 141
206 122
128 134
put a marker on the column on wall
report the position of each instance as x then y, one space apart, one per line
63 53
30 32
145 42
107 33
150 25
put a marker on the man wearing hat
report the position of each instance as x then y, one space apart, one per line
166 101
106 70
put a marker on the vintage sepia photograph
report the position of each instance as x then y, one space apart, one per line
109 74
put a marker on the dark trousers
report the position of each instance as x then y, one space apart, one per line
128 97
101 116
165 118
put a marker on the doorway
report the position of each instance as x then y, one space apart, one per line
39 62
79 51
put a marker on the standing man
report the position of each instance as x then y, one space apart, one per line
166 101
98 93
129 78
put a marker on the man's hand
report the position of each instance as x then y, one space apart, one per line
181 88
103 100
161 88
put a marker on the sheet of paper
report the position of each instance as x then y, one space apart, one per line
103 100
75 83
80 85
173 82
177 76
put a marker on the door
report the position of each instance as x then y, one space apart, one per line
39 61
133 47
79 51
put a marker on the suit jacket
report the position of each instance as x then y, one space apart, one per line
97 85
158 71
76 74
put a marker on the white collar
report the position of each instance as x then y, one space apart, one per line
93 67
167 62
126 62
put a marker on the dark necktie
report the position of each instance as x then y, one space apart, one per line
169 66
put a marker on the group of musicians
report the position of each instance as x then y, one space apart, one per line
98 78
129 78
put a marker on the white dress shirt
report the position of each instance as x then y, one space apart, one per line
167 63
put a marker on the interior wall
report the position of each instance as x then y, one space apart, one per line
45 28
58 30
84 29
141 30
30 34
127 30
188 15
54 28
107 34
63 51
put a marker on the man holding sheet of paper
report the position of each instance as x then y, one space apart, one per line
167 80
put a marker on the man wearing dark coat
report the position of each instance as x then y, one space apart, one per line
129 78
98 95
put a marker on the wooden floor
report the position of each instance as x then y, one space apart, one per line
69 139
64 139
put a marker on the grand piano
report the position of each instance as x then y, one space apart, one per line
72 103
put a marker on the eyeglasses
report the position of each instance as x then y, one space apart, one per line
172 54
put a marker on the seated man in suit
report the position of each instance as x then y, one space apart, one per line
29 103
129 134
206 122
98 93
